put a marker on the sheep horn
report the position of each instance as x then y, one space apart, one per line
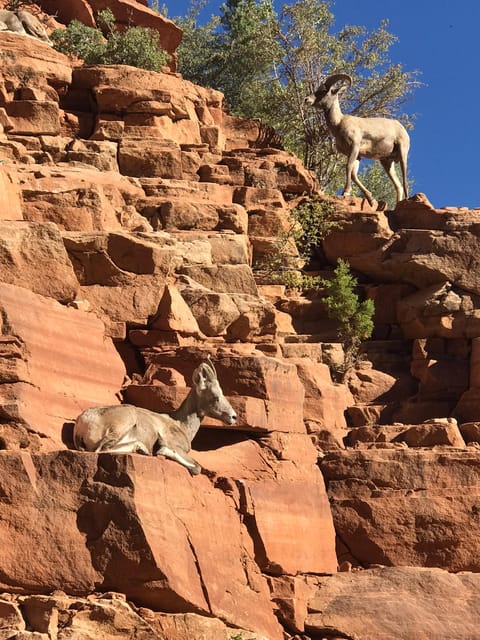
331 80
210 365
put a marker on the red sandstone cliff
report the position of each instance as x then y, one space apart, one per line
131 208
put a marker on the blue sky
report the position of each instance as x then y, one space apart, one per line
441 39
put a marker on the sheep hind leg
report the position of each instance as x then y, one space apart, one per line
126 447
185 460
352 158
125 444
389 166
403 165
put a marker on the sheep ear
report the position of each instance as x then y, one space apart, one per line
199 378
204 374
340 89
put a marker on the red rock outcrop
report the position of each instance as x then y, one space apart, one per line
425 499
133 198
104 530
10 196
55 362
401 603
33 256
61 616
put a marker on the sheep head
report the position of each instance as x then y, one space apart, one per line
329 90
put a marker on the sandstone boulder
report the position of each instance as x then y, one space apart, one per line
187 626
227 278
123 275
33 117
279 511
361 230
395 602
213 311
77 199
325 402
35 61
56 361
89 522
418 212
32 256
470 432
423 498
441 310
152 158
10 195
432 434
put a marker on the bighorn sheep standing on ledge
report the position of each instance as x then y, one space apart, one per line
24 23
378 138
125 428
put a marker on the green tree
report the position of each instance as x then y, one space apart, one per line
200 58
235 52
267 63
355 317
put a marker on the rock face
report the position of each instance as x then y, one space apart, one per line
423 498
29 252
134 214
105 532
55 362
385 604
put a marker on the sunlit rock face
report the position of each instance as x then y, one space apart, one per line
137 222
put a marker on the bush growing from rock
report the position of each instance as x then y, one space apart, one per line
311 221
355 317
136 46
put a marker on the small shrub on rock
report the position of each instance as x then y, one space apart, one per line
136 46
355 318
311 221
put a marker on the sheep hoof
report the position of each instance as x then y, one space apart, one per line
194 471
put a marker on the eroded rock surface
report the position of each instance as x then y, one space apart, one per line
135 214
405 507
55 361
395 602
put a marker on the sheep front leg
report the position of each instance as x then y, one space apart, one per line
359 184
185 460
353 165
121 446
352 158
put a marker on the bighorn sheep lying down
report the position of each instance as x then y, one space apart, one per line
378 138
125 428
24 23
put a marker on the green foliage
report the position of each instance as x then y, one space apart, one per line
81 41
313 221
310 222
136 46
343 304
199 58
233 52
267 63
159 8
